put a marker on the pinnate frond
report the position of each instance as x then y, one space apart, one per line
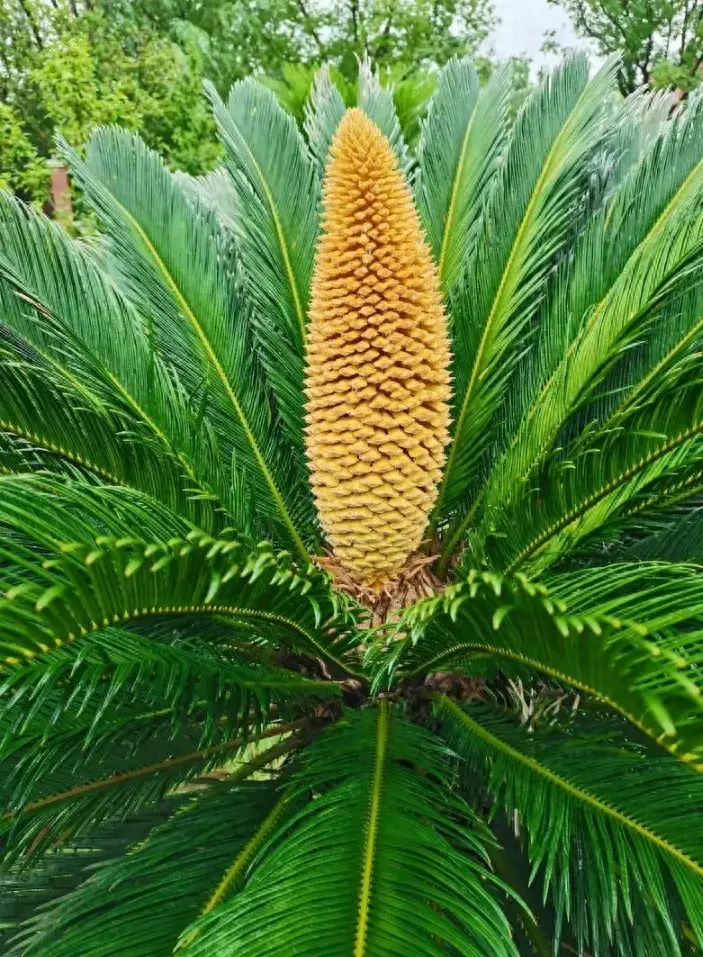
276 198
625 656
596 812
380 839
169 258
460 147
171 874
91 572
524 229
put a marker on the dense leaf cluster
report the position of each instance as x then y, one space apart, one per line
204 747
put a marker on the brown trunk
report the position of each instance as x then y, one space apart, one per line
61 193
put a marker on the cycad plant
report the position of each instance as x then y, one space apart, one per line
351 550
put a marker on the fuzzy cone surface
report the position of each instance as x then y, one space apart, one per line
377 361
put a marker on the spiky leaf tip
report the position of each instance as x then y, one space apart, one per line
377 361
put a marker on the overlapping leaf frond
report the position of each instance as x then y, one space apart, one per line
69 334
173 873
170 258
677 536
51 424
640 120
536 196
23 892
401 842
64 785
460 147
665 177
324 110
49 799
276 198
74 565
647 455
633 658
615 295
230 686
596 812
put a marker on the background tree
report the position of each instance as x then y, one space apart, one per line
238 40
65 68
660 42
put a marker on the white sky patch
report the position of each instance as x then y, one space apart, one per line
522 27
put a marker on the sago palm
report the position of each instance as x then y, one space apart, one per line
351 550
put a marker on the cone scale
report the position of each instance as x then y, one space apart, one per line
377 376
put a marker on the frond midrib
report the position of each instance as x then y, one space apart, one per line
227 385
562 676
573 790
245 855
64 453
371 836
210 609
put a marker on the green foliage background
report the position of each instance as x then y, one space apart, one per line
69 66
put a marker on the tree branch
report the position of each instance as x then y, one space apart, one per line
33 25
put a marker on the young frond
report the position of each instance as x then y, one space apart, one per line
183 286
276 198
524 230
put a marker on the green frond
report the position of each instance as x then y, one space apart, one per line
324 110
633 659
24 891
82 569
49 798
377 102
64 782
596 812
642 119
646 453
51 424
398 861
169 259
532 928
85 340
524 229
460 146
607 291
679 538
170 875
202 674
276 198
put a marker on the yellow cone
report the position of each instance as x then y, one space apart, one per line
377 361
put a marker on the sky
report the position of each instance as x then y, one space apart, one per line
522 27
